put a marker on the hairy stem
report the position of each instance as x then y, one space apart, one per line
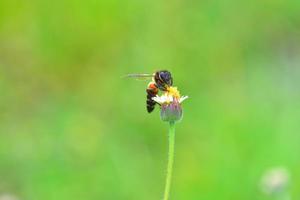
170 160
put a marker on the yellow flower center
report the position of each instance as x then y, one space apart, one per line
172 91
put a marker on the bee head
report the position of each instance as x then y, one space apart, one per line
166 78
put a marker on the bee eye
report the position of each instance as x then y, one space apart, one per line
166 77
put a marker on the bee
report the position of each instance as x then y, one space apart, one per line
161 81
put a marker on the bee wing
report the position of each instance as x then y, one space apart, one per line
139 76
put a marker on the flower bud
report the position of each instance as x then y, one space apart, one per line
171 112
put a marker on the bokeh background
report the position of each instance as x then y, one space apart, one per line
71 128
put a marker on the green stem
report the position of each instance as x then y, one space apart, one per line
170 160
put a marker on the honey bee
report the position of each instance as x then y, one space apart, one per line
161 80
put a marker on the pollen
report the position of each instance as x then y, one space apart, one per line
172 91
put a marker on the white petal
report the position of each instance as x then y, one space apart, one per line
163 99
158 99
183 98
169 98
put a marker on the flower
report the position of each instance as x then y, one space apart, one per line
275 181
170 103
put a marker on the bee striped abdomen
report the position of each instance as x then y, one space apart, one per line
152 91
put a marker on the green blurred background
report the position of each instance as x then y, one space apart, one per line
71 128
